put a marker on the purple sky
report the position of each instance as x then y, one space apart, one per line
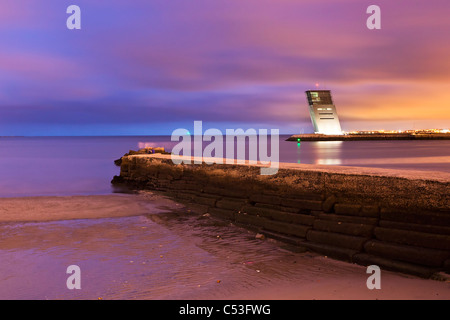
149 67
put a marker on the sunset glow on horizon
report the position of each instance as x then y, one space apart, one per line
148 67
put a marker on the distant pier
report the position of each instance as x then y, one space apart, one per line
362 137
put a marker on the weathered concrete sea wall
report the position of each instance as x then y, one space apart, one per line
398 220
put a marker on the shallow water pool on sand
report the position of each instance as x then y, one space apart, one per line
136 258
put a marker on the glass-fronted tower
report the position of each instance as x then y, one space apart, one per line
323 112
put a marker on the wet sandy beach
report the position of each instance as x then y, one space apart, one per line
145 246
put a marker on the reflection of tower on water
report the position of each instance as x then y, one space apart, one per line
328 152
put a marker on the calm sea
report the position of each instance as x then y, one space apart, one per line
33 166
169 255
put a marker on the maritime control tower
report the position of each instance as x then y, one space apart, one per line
323 112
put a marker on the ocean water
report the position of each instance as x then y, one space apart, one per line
35 166
168 252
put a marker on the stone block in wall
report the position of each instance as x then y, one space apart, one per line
422 256
279 215
438 218
225 192
413 238
336 239
302 204
370 211
297 218
328 203
347 209
349 219
276 207
393 265
415 227
353 229
356 210
227 203
270 199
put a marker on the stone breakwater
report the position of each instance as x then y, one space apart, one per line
398 220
